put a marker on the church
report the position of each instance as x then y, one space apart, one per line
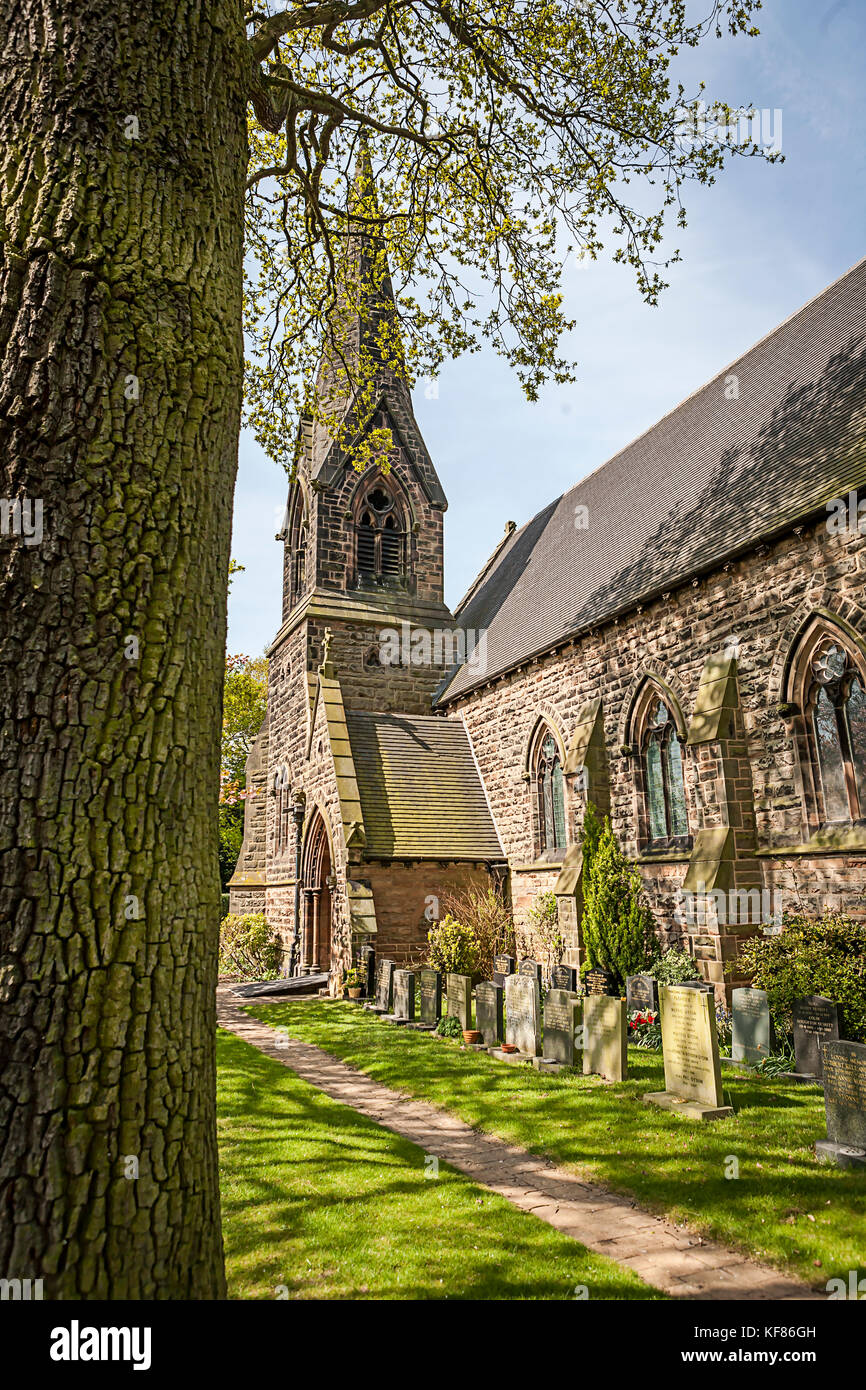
680 639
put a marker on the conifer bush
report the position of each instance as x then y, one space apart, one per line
618 927
249 947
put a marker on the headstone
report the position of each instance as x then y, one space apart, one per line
430 982
599 981
845 1103
703 985
530 968
488 1012
404 995
459 998
751 1025
523 1014
642 994
385 986
368 969
690 1045
503 966
816 1021
605 1037
562 1014
563 977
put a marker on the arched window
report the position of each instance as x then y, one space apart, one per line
835 714
549 795
297 538
381 538
667 818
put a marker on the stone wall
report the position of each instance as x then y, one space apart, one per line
747 780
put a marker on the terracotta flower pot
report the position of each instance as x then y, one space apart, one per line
356 993
508 1047
471 1035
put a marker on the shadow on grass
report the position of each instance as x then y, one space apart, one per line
781 1205
321 1202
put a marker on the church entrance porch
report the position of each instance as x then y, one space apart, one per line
317 882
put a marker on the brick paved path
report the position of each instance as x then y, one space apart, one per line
664 1255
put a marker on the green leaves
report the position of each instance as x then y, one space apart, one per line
502 140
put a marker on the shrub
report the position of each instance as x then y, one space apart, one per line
224 905
618 928
453 947
488 915
674 968
449 1027
249 947
825 955
543 919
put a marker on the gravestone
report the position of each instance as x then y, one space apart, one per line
703 985
523 1014
384 986
503 966
458 1003
530 968
430 982
690 1046
562 1014
816 1021
404 995
368 970
605 1037
642 994
751 1025
488 1012
845 1103
563 977
599 981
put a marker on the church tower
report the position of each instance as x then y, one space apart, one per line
372 804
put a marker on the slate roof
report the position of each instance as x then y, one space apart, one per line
421 796
712 478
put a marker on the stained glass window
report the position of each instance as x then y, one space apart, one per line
837 703
550 796
665 785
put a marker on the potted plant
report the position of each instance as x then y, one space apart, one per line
355 983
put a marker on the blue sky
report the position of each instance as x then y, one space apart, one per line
759 244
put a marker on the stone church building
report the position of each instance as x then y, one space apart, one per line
680 639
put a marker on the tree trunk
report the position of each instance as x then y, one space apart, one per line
123 152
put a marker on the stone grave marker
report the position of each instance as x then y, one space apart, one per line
458 989
642 994
503 966
562 1015
530 968
751 1025
816 1021
563 977
605 1037
599 981
384 986
404 996
690 1045
368 969
703 985
430 983
523 1014
488 1012
845 1103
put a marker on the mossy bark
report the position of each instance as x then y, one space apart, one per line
123 151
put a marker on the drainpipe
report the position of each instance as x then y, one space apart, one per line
299 802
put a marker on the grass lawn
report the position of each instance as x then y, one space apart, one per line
324 1202
784 1207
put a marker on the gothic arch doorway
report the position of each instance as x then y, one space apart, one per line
316 885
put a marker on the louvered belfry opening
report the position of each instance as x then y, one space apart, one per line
381 540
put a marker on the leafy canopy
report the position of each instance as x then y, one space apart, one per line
504 136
